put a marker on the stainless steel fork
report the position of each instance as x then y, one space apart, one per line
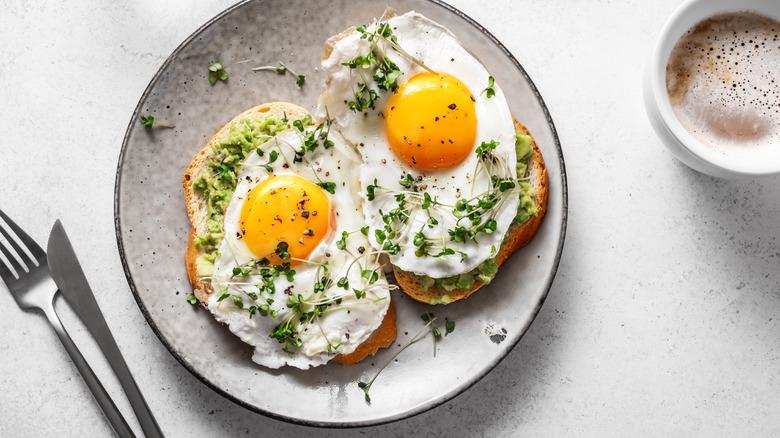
26 273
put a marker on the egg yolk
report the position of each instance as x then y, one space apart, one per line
285 208
431 122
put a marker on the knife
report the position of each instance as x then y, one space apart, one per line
73 285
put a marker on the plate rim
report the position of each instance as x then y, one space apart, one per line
340 424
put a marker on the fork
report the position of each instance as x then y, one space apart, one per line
32 287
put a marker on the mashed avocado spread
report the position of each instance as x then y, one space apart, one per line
218 179
487 269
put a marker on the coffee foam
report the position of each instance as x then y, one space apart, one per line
723 81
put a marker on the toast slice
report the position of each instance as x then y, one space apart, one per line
196 203
517 236
198 212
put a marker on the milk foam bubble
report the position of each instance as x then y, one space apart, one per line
723 81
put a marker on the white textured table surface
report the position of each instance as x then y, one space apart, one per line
663 318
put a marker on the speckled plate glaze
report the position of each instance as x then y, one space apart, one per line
152 224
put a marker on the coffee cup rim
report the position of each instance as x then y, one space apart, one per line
687 15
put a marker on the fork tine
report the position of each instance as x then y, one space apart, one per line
35 250
12 260
6 273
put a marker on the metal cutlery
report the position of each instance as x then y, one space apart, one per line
67 273
26 273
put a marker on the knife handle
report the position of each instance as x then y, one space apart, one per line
111 351
112 413
99 328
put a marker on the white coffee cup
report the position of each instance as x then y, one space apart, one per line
674 135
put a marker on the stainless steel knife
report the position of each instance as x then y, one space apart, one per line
70 279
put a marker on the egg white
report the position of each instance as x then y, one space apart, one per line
345 325
439 50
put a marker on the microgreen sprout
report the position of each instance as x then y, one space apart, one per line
366 386
281 250
218 72
329 187
342 243
449 326
282 69
192 299
489 91
435 332
149 122
485 148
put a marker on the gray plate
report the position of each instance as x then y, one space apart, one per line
152 224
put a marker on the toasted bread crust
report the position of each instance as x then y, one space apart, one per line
383 336
201 288
517 236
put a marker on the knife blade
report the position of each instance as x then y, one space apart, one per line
70 279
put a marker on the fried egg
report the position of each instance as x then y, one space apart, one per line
294 276
435 150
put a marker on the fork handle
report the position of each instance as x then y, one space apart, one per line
100 331
115 418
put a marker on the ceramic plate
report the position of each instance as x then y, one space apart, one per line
152 224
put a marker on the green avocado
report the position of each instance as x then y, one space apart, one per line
487 269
